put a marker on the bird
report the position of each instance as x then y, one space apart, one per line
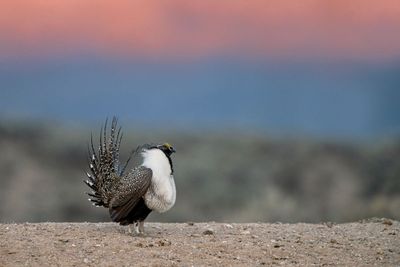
130 195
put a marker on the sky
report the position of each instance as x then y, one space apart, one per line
358 30
327 68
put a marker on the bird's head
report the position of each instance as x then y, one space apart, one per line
166 148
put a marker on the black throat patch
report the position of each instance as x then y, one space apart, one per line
170 162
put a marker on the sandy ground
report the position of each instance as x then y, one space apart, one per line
366 243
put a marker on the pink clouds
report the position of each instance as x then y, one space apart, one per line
179 28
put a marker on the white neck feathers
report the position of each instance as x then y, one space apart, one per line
157 161
162 193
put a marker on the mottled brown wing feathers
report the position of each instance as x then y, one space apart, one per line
131 189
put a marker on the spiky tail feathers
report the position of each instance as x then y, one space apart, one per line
105 170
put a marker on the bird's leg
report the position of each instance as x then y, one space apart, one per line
129 229
136 228
141 227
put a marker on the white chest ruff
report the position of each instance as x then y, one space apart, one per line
161 194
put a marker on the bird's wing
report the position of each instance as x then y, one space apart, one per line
131 189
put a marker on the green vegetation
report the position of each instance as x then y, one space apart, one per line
220 177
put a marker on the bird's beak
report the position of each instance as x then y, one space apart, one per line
172 150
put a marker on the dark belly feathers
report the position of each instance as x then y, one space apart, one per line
138 213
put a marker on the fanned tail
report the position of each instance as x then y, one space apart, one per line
104 164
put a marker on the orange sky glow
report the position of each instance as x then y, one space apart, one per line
354 29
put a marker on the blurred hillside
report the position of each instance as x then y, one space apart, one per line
220 176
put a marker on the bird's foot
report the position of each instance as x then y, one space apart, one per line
141 228
134 231
129 229
138 229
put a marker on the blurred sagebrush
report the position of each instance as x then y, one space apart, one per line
221 177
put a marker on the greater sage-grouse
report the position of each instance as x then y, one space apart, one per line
131 195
